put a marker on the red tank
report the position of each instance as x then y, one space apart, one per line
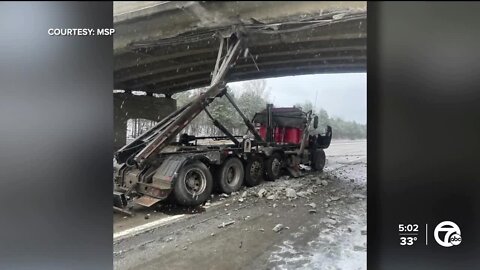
283 134
288 124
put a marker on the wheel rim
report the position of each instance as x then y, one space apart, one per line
256 169
276 165
195 181
233 176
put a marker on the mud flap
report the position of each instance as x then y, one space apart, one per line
162 181
167 172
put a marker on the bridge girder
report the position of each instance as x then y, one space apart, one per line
156 53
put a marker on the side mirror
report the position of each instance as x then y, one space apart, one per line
315 122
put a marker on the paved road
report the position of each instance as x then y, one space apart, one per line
328 234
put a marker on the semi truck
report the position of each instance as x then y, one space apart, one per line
163 164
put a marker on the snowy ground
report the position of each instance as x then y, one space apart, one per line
322 224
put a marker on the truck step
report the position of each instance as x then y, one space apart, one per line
146 201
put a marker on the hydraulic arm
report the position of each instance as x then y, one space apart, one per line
139 151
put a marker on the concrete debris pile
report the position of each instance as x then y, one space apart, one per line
286 188
293 192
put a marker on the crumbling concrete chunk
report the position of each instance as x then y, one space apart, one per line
290 193
278 228
262 192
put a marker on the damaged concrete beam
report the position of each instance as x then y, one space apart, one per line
152 53
161 20
185 74
168 72
165 47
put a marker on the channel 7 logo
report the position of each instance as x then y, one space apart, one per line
452 235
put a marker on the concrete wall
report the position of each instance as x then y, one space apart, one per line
128 106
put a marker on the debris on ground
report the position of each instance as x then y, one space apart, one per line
359 248
147 216
261 192
312 205
225 224
359 196
327 213
278 228
331 212
303 194
328 221
271 197
290 193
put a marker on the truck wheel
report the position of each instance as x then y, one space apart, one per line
273 166
229 176
254 171
318 160
194 184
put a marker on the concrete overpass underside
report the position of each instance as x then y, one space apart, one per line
169 47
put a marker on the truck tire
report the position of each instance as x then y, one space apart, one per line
318 160
229 176
194 184
273 167
254 171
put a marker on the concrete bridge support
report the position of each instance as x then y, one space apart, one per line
128 106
